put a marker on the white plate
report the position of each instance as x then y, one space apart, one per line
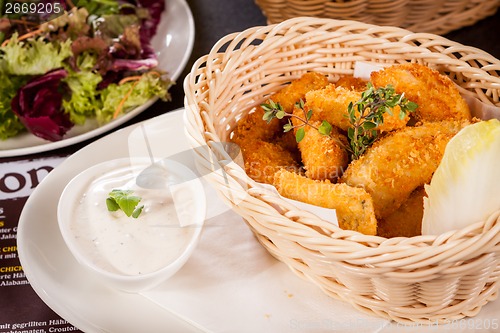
173 44
54 274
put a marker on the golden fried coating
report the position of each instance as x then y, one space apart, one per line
400 162
252 127
297 89
288 142
331 104
436 95
352 83
353 205
262 159
324 157
406 221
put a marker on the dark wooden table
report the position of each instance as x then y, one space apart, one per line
217 18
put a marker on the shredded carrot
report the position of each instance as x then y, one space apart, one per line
130 78
119 108
155 72
30 34
25 36
137 77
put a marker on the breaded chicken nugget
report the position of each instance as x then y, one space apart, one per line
331 104
436 95
297 89
406 221
288 142
262 159
352 83
400 162
252 126
353 206
324 157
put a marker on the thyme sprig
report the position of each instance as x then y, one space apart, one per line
365 116
275 110
370 115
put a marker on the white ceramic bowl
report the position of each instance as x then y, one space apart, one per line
132 254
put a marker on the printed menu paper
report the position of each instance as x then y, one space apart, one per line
21 310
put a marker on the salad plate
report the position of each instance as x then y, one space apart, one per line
173 44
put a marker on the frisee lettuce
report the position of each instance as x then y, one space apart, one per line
33 56
131 94
10 125
84 101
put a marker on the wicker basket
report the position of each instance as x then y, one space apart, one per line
405 279
433 16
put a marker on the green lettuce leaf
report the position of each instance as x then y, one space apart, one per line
73 23
84 101
100 7
10 125
33 56
131 94
113 26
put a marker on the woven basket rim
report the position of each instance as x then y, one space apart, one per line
406 36
439 17
237 39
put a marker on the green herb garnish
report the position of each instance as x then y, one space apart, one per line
124 200
371 108
275 110
365 116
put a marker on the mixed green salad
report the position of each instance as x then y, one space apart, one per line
91 61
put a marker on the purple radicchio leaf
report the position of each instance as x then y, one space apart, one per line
133 65
125 58
148 27
38 105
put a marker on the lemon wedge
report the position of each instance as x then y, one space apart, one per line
466 185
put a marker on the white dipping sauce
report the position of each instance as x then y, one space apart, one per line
126 245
